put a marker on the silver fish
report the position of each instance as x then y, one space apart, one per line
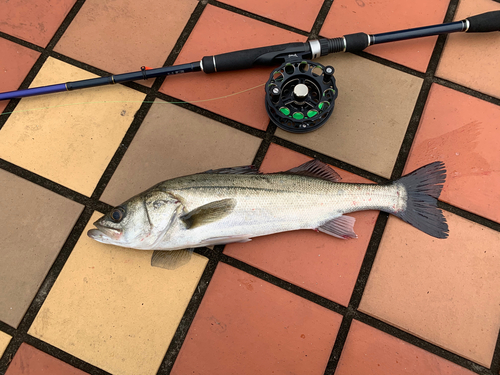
235 204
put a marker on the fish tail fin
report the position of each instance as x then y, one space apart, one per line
423 187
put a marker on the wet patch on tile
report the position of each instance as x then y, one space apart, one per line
370 351
174 142
374 17
240 94
34 21
35 223
247 326
31 361
121 36
317 262
15 64
299 14
69 137
472 59
462 131
4 341
371 114
110 308
444 291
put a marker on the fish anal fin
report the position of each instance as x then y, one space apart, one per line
316 168
340 227
171 259
208 213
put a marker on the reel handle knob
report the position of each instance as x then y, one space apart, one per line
328 73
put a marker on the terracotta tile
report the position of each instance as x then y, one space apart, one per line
35 224
374 17
121 36
371 114
444 291
370 351
69 137
462 131
472 59
31 361
15 64
247 326
220 31
4 341
299 14
165 149
110 308
34 21
314 261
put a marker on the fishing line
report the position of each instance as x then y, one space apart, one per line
300 94
135 101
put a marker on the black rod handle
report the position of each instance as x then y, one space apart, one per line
483 23
248 58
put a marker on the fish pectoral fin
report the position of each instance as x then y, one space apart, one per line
208 213
340 227
171 259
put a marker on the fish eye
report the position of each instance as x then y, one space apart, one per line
117 214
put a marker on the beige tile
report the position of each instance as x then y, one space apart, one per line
371 114
472 59
173 142
34 224
4 341
444 291
110 308
73 140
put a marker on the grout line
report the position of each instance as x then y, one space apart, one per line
416 116
63 356
185 33
421 343
268 138
357 292
54 186
339 344
187 319
55 270
329 160
320 19
257 17
276 281
495 362
65 24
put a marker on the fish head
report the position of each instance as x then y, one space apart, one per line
139 222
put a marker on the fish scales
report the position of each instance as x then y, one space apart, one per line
237 204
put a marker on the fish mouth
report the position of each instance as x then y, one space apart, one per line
104 234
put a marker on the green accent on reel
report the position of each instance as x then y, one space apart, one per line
320 105
285 111
311 113
298 115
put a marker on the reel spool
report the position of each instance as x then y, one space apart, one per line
300 96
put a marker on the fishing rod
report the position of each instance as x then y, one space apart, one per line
300 94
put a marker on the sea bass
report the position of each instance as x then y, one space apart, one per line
236 204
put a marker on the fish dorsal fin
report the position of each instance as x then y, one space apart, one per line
208 213
171 259
340 227
316 168
249 169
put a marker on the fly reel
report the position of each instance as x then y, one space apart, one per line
300 96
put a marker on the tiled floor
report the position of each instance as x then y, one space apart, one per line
392 301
